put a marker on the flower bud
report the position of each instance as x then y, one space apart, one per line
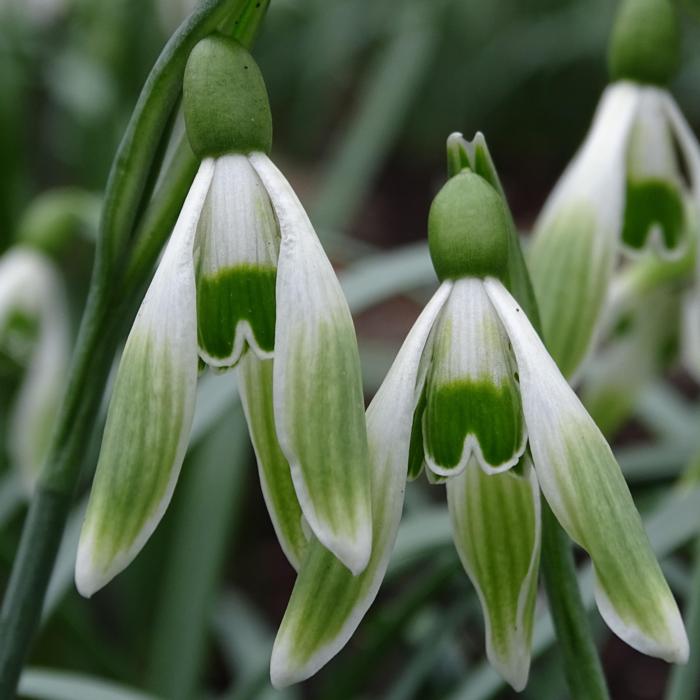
225 100
645 42
468 229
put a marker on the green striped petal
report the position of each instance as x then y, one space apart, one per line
572 254
585 488
654 208
255 388
328 603
238 244
472 397
496 525
319 405
150 412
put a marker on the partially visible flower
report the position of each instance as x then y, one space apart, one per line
475 398
34 335
243 282
626 189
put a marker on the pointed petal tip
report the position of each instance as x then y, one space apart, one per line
353 552
515 671
670 645
88 580
282 671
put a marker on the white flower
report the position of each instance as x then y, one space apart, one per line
243 280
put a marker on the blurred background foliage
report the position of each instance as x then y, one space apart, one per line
363 95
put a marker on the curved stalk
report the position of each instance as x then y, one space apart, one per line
108 310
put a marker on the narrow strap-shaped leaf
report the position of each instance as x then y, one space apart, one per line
150 413
496 526
318 400
585 488
327 602
255 388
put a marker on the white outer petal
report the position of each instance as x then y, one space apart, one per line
689 147
160 317
389 421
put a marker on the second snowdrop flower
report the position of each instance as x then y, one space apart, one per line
243 282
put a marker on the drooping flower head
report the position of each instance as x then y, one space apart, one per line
630 189
34 336
475 399
243 282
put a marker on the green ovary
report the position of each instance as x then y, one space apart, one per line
232 295
652 202
491 414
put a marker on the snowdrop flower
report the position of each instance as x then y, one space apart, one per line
625 191
34 333
475 398
243 282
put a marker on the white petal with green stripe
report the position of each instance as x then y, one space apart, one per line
654 207
328 603
573 251
255 388
472 404
150 412
238 244
319 405
585 488
496 526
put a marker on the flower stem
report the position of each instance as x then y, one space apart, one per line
685 680
108 310
582 667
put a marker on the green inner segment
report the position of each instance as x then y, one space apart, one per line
416 451
240 293
652 202
458 409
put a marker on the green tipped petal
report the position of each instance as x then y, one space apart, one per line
585 488
654 207
496 527
573 250
327 602
255 387
238 245
319 405
473 400
150 413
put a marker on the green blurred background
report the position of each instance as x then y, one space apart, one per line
364 95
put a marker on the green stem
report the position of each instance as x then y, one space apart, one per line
685 680
107 312
582 667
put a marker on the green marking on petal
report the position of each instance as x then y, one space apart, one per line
570 262
236 305
147 416
477 413
653 203
496 528
255 387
